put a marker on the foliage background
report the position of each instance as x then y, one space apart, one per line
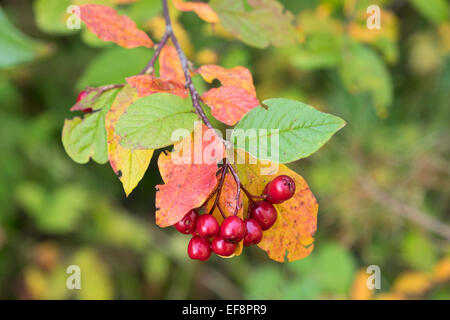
392 89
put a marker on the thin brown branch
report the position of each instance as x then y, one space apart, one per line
150 67
219 190
404 210
195 97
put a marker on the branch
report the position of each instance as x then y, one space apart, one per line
194 94
407 211
149 68
185 65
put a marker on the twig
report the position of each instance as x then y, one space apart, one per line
407 211
194 94
251 196
219 190
150 67
238 187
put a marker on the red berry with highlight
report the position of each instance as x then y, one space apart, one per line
222 247
83 94
233 229
207 226
199 249
280 189
188 224
254 232
264 213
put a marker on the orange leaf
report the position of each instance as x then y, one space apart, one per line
189 183
203 10
237 76
170 65
292 234
130 166
412 283
229 104
109 26
360 291
147 84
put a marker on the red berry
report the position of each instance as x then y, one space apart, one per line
188 224
264 213
199 249
207 226
87 110
222 247
82 95
233 229
254 232
279 189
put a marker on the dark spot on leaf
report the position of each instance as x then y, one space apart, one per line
119 174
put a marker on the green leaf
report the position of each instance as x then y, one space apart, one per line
58 211
96 282
86 138
113 66
15 47
332 268
149 122
362 71
261 23
51 16
436 11
322 47
301 130
418 251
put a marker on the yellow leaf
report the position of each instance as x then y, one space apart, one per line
36 282
360 291
130 166
441 271
412 283
292 234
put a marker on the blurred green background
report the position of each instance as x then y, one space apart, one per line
382 182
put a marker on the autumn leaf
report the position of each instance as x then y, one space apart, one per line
129 165
187 183
359 290
292 234
237 76
412 283
109 26
257 22
147 84
203 10
170 65
237 95
85 138
229 104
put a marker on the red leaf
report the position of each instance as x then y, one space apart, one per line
203 10
170 65
109 26
229 104
237 76
147 84
188 184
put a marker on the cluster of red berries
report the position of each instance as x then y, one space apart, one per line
261 216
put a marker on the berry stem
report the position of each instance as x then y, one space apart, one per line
219 189
238 187
251 196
